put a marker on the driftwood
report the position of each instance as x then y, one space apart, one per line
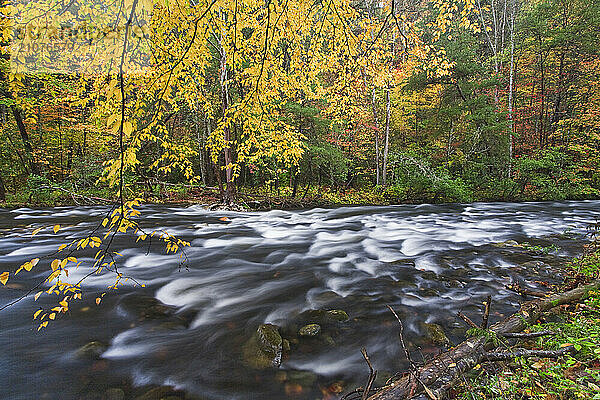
437 375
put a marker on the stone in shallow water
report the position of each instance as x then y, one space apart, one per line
338 315
114 394
436 334
161 393
264 348
92 350
302 378
310 330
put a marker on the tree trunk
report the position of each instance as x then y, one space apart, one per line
511 128
451 365
229 194
2 190
387 133
374 108
33 167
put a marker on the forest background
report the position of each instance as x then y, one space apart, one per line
343 102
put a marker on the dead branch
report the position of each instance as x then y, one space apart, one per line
372 375
468 320
486 312
530 335
509 355
524 291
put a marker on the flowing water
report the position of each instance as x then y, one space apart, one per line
187 327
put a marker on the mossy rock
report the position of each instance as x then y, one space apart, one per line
435 334
264 348
310 330
337 315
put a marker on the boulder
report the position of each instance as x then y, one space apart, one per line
264 348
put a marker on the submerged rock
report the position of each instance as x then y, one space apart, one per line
310 330
324 316
161 393
264 348
436 334
302 378
92 350
114 394
146 307
338 315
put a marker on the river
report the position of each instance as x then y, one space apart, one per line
188 325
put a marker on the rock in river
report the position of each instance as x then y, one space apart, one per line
264 348
436 334
92 350
310 330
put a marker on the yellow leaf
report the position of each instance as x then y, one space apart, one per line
52 316
98 300
27 266
52 277
56 228
43 325
35 314
64 304
54 265
452 365
537 365
35 261
566 345
37 295
35 231
61 247
127 128
4 277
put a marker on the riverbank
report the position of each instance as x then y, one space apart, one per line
256 199
572 376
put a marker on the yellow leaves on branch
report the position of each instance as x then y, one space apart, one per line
28 266
4 277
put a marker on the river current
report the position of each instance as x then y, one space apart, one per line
187 327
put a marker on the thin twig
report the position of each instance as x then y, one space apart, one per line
468 320
486 312
372 375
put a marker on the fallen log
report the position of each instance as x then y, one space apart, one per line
437 375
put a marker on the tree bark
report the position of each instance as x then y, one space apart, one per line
229 194
387 133
2 190
374 108
451 365
33 167
511 79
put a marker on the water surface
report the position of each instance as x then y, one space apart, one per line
427 261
